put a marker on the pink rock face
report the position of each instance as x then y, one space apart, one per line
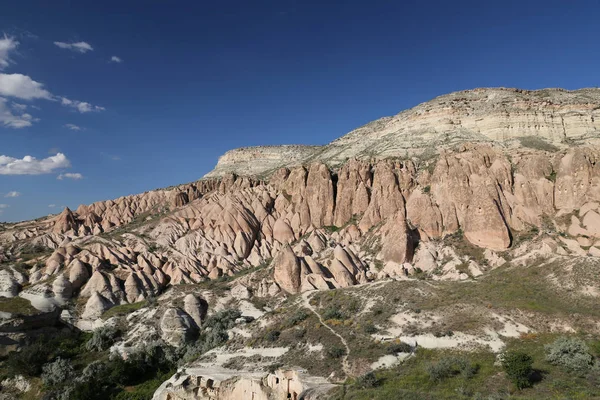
287 270
386 197
319 222
424 214
65 222
282 232
484 225
319 195
577 179
352 195
397 244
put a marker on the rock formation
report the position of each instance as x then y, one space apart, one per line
484 166
176 327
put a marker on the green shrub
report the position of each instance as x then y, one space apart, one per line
333 313
535 142
451 366
57 372
335 352
518 366
123 309
331 228
32 356
369 328
222 320
29 360
102 338
298 317
368 381
272 336
214 334
395 348
571 354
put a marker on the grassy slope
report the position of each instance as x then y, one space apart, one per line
17 305
411 381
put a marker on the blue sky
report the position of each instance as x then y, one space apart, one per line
199 78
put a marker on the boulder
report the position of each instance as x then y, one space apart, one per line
287 270
176 327
196 307
95 306
78 273
282 232
62 288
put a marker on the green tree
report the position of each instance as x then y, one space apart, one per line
518 366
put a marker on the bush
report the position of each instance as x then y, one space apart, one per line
33 355
29 360
57 372
222 320
571 354
333 313
214 334
335 352
451 366
102 338
518 367
272 336
401 347
367 381
298 317
369 328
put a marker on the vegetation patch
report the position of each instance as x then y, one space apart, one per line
537 143
123 309
524 373
17 305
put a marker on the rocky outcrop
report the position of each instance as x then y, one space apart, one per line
287 270
257 160
397 243
196 307
65 222
480 115
326 221
176 327
9 287
62 288
95 306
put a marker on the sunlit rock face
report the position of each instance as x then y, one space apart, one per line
484 166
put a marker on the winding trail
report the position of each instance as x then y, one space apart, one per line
306 302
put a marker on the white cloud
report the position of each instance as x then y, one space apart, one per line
14 193
22 87
7 45
81 106
2 207
11 120
29 165
19 107
73 127
69 175
51 205
116 59
79 47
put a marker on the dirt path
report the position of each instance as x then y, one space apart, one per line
306 302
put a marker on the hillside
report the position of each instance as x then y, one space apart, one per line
488 115
464 227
